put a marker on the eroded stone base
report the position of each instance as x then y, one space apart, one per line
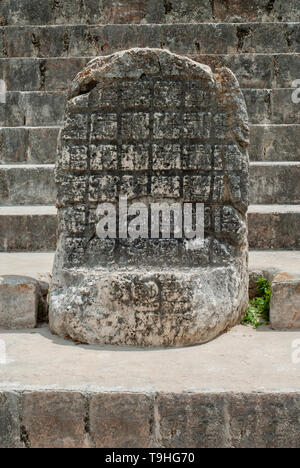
140 308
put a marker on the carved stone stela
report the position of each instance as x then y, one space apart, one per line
152 126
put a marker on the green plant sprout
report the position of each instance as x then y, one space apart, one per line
258 312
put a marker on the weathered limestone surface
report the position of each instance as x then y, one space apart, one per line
145 11
104 397
285 302
18 302
206 38
151 125
54 419
68 419
27 228
10 429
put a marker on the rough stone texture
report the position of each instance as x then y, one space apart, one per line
274 143
27 185
274 227
192 39
167 398
197 420
146 11
256 10
87 12
254 71
264 421
192 421
9 421
276 182
46 109
285 302
229 421
268 273
54 420
59 419
28 228
32 109
18 302
150 292
28 145
121 420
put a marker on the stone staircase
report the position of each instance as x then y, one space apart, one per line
44 44
208 396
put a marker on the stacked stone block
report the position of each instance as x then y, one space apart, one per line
44 45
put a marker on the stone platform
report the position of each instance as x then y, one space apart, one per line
280 267
240 390
37 264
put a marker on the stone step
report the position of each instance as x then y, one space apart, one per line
169 398
275 182
28 145
256 71
270 183
42 12
206 38
27 229
274 143
283 270
39 108
274 227
33 228
32 109
272 106
27 276
38 265
285 302
27 184
38 145
271 262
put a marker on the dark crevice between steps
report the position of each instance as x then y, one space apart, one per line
3 21
275 70
56 4
4 47
242 33
87 421
24 436
154 422
36 44
288 37
212 5
66 43
270 6
268 101
42 67
168 7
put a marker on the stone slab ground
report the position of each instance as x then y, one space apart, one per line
240 390
39 264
